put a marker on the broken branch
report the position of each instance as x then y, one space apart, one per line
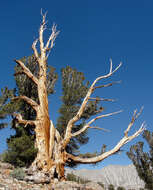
35 49
31 102
102 99
27 71
107 85
23 121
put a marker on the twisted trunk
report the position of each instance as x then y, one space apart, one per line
52 156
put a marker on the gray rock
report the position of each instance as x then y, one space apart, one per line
37 178
6 166
68 185
117 175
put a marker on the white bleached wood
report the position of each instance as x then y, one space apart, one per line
31 102
84 103
91 121
27 71
104 155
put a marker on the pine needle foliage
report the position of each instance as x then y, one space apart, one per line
143 161
74 89
21 150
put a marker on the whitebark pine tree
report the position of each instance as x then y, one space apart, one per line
52 155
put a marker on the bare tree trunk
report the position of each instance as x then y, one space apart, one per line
52 156
42 128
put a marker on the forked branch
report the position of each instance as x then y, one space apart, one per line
134 117
120 144
49 44
84 103
91 121
23 121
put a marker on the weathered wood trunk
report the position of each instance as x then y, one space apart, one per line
52 165
52 156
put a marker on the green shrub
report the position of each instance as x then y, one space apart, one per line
111 187
21 151
72 177
121 188
18 173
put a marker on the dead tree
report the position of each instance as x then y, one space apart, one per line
52 155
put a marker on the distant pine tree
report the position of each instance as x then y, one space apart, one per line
120 188
143 161
111 187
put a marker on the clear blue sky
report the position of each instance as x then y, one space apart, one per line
91 32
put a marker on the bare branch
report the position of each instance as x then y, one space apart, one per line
91 121
111 65
50 42
104 155
84 103
35 49
31 102
41 31
106 130
107 85
102 99
23 121
27 71
101 116
134 117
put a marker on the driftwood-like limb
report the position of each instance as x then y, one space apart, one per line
84 103
91 121
35 49
50 42
52 138
99 128
31 102
23 121
107 85
134 117
102 99
41 30
27 71
44 48
104 155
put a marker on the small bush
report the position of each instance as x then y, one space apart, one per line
121 188
72 177
21 151
18 173
111 187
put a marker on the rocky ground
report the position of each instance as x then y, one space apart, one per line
16 181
